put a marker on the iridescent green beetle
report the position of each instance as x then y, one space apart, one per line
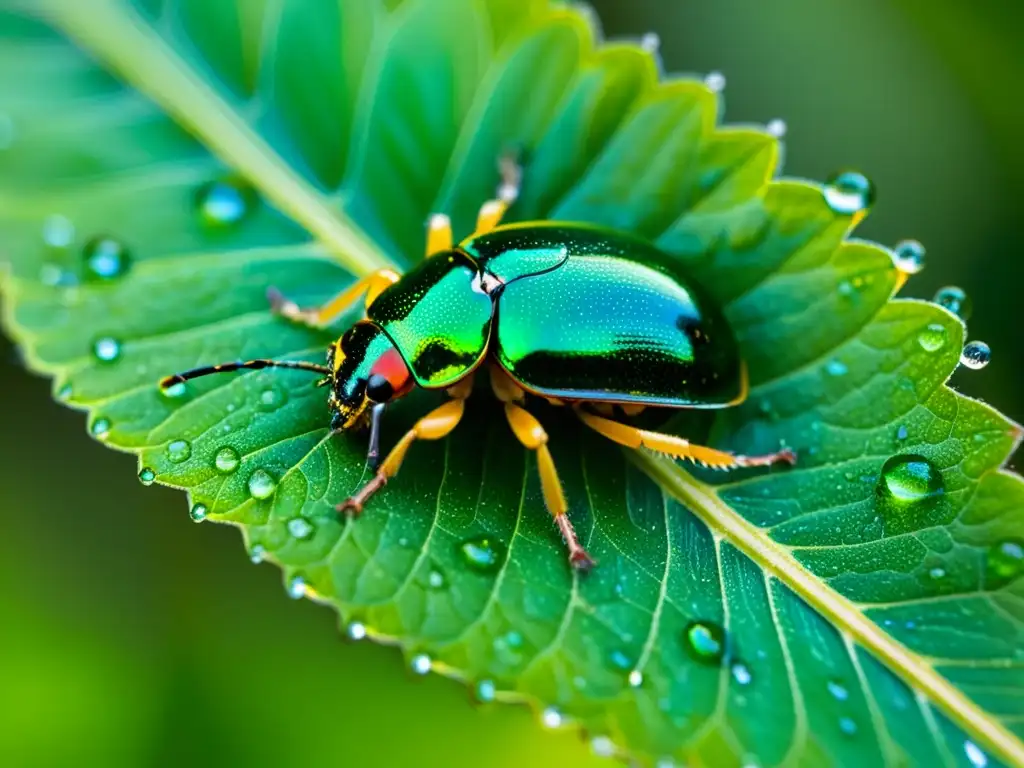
582 316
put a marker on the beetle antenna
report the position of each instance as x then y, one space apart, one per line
195 373
373 454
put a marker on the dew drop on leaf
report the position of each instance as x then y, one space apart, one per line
909 257
225 202
955 300
106 349
179 451
420 664
226 461
105 259
65 392
261 484
705 641
256 554
356 630
621 660
849 193
481 553
715 81
909 478
297 588
901 432
147 476
58 231
485 691
551 717
271 399
937 573
635 679
776 128
974 754
198 513
741 673
932 338
836 368
838 690
975 355
847 726
300 528
175 391
436 579
650 42
1005 560
100 429
602 746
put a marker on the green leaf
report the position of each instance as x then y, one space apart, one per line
857 628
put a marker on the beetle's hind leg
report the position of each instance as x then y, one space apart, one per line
320 317
632 437
494 210
531 434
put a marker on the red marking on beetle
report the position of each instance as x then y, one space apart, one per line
392 367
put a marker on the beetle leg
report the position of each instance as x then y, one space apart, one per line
439 234
632 437
320 317
492 211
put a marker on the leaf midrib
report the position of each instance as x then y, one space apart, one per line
121 39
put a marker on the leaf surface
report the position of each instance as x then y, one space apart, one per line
855 630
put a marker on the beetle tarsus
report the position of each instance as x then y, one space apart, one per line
581 560
784 456
353 505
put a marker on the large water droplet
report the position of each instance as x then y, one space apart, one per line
147 476
356 630
58 231
849 193
105 259
485 691
977 758
976 355
100 429
909 257
932 338
261 484
198 512
297 588
106 349
300 528
838 690
420 664
482 554
227 460
955 300
225 202
1006 560
705 641
909 478
179 451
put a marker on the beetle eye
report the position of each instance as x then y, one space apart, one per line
379 389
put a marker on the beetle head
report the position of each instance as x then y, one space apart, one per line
367 371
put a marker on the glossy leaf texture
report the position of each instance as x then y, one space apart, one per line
864 607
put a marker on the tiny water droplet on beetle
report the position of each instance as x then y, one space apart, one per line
955 300
909 257
705 641
106 349
932 338
147 476
227 460
105 259
225 202
261 484
976 355
849 192
198 513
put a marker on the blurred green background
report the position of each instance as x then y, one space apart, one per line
130 636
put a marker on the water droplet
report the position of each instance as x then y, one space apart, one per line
937 573
836 368
179 451
297 588
65 392
147 476
514 639
838 690
901 432
978 758
909 257
1006 560
621 660
485 691
847 726
776 128
105 259
435 579
602 746
650 42
261 484
106 349
272 398
849 192
635 679
420 663
58 231
741 673
932 338
909 478
256 554
174 392
482 554
955 300
715 81
356 630
226 461
300 528
705 641
551 718
976 355
198 513
100 429
225 202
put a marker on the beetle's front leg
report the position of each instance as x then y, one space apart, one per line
320 317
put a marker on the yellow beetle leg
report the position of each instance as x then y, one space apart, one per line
679 447
492 211
320 317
